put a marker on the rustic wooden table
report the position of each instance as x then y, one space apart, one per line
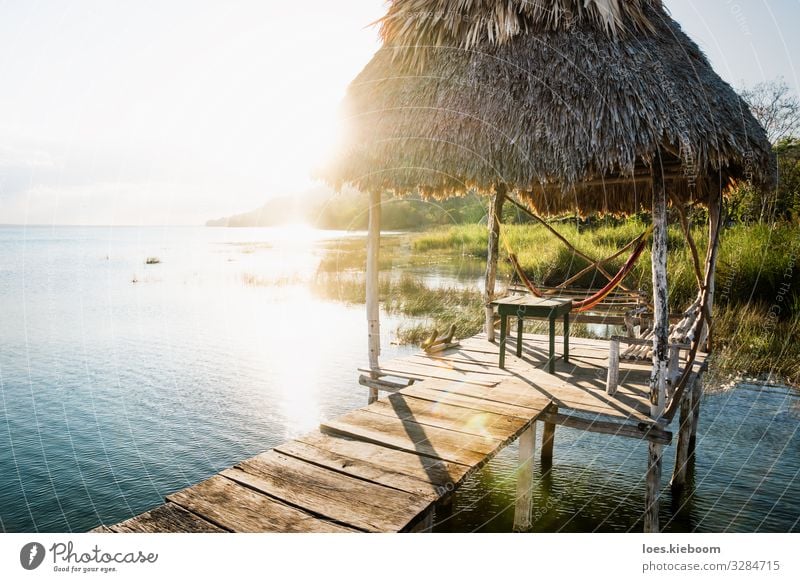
522 306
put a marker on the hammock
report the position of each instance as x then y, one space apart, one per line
601 294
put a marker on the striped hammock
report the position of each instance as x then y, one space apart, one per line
596 298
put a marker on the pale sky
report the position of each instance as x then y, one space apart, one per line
173 111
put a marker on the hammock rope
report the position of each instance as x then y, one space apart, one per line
597 297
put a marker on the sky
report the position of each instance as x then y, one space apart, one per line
177 111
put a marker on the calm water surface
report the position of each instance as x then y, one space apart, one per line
121 382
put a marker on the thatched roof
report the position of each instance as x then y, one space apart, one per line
565 101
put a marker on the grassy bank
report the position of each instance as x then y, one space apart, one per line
753 262
758 283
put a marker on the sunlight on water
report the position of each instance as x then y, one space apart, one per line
123 381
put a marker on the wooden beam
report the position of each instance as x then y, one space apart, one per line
380 384
658 376
495 215
373 304
424 525
524 507
682 449
612 379
548 439
641 430
697 394
653 484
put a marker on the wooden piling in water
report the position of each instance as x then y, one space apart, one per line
697 394
653 487
524 506
684 435
548 437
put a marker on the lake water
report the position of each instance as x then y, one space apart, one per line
121 382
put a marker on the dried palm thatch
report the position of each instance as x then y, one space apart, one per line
564 101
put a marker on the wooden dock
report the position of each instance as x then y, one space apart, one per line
384 467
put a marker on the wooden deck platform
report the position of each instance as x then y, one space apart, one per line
383 467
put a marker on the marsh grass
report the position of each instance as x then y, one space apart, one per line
426 308
750 343
754 259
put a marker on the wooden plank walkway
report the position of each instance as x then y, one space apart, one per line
577 387
380 468
383 467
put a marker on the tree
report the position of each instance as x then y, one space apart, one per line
778 110
775 107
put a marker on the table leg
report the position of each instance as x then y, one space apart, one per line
519 336
551 363
503 334
566 336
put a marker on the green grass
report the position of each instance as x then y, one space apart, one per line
750 343
753 261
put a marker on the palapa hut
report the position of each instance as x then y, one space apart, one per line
587 106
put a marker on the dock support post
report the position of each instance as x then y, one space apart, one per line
682 449
548 438
653 492
612 380
425 525
697 394
524 506
373 304
495 214
658 376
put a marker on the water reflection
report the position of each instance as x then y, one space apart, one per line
116 393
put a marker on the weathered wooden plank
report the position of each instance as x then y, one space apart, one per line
167 518
643 431
240 509
361 469
456 364
570 396
537 341
422 371
436 471
361 504
101 529
454 399
472 422
504 393
434 442
523 394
